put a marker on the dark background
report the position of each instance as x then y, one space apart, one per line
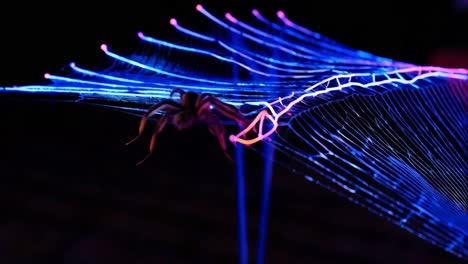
43 37
70 192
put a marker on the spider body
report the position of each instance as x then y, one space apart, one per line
193 108
186 118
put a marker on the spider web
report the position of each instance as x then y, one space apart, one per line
387 135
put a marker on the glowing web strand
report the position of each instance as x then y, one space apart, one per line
274 116
433 214
250 69
270 41
314 38
330 52
150 87
230 60
247 54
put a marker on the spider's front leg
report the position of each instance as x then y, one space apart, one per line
225 109
165 105
159 127
217 130
177 90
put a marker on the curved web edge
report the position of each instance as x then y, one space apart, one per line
402 154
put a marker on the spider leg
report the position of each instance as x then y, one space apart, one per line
227 110
200 100
217 130
159 127
177 90
165 105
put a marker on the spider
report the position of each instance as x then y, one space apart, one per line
192 108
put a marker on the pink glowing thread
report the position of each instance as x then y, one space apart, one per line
104 47
280 14
173 22
230 18
274 117
430 68
289 23
199 7
255 12
259 16
283 18
47 75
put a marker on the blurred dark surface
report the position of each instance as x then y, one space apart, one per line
70 190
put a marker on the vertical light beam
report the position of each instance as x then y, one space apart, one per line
265 202
241 208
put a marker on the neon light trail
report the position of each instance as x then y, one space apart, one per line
387 135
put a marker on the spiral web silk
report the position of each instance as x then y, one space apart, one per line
387 135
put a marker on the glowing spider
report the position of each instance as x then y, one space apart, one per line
192 108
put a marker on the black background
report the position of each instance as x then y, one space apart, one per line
44 36
70 190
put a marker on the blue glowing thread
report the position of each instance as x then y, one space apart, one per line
190 32
225 59
159 71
